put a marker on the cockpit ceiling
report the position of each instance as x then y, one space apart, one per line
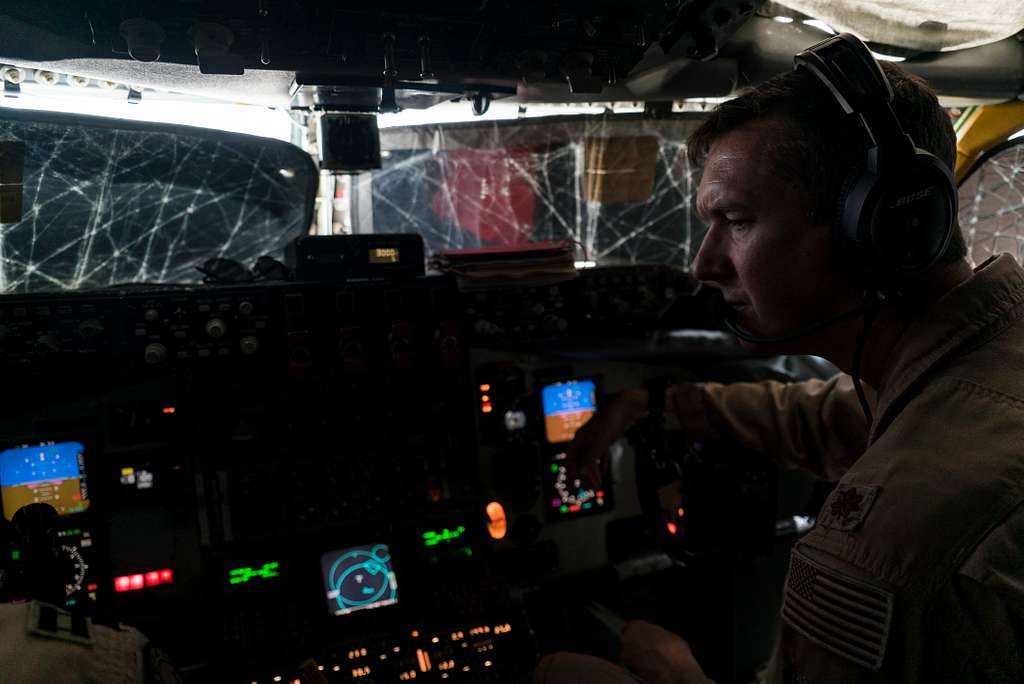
922 25
351 54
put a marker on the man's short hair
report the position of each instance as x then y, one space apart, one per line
814 143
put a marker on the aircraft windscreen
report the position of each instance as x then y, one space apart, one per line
619 186
90 203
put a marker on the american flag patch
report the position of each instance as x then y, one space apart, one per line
848 617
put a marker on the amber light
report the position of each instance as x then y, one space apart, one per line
497 525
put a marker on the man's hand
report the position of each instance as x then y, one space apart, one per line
658 656
592 441
684 406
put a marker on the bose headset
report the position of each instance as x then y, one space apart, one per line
897 209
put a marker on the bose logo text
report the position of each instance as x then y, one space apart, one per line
912 197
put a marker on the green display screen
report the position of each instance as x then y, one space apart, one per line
432 538
246 574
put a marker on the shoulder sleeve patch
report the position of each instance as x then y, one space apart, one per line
847 507
51 622
848 617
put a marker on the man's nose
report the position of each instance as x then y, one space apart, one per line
711 264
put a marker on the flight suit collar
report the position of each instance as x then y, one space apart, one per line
979 308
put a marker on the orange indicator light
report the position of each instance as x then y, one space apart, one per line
423 659
485 388
169 410
497 525
486 408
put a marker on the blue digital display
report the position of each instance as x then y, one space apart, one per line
359 578
28 465
43 473
567 407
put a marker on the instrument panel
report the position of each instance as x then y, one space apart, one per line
361 478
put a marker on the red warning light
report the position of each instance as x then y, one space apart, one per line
672 529
92 587
153 578
168 410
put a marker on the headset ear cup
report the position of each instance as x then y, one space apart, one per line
852 243
915 217
844 234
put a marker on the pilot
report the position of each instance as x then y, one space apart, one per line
914 571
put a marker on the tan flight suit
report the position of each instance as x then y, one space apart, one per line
915 569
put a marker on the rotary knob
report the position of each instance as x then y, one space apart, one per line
155 353
90 328
555 324
152 315
48 344
352 351
216 328
246 308
249 345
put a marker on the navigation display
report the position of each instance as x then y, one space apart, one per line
573 493
567 407
51 473
359 578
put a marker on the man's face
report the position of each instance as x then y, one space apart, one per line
772 262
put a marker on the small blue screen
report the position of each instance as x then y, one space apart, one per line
43 473
29 465
567 408
569 397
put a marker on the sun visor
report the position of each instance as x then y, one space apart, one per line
619 169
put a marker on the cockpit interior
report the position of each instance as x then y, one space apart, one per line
289 389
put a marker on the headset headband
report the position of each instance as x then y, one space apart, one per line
845 66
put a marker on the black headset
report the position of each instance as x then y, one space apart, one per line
897 210
898 207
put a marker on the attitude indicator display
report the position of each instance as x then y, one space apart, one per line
567 407
52 473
